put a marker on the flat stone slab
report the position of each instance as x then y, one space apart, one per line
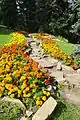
53 61
45 63
58 75
67 69
73 79
45 110
23 118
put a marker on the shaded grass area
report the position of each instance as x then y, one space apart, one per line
4 35
66 47
66 110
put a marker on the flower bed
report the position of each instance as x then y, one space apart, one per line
21 77
50 46
16 37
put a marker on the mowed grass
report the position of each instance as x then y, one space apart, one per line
68 48
66 111
4 35
4 38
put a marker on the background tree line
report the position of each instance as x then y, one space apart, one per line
58 17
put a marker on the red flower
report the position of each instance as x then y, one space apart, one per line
47 81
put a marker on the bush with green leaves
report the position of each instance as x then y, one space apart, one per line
9 110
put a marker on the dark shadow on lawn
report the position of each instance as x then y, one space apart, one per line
5 31
58 110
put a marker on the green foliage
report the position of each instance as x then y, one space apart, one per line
59 17
52 16
8 8
66 110
9 111
76 17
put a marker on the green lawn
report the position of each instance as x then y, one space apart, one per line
3 39
66 47
4 35
66 111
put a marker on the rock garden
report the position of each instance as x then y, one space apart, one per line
34 74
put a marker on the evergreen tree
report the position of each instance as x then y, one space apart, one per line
8 8
59 17
76 18
31 15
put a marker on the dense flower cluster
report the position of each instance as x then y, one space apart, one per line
22 77
51 47
16 37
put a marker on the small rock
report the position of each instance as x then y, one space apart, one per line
54 87
78 71
67 69
59 66
49 87
67 96
23 118
53 61
35 58
29 113
33 44
45 63
45 110
73 79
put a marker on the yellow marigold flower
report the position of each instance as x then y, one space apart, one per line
8 77
38 102
34 81
44 92
27 88
7 68
2 84
14 73
19 95
8 86
1 88
48 94
0 94
35 97
12 95
15 88
23 86
34 90
44 98
24 95
22 78
1 71
38 98
24 91
19 92
9 92
28 95
31 85
41 102
34 85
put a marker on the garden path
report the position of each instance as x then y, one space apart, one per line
65 75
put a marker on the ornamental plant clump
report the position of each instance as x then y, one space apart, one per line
21 77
